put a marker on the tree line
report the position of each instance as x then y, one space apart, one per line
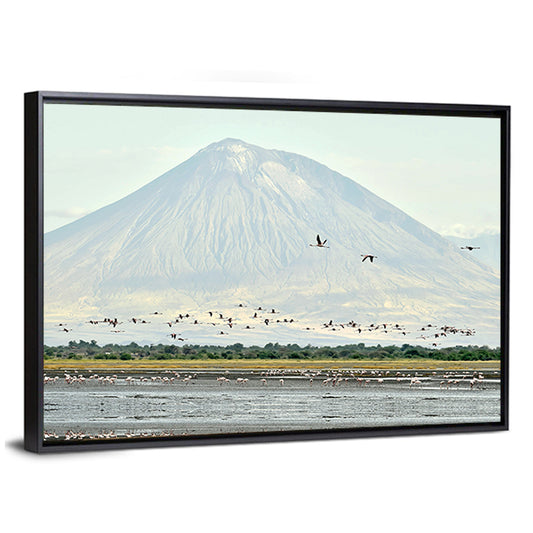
133 351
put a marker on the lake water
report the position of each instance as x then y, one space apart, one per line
161 403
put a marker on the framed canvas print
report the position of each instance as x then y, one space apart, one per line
215 270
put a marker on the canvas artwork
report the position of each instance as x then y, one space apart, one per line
222 271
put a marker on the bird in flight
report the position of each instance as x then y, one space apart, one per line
368 256
469 248
320 244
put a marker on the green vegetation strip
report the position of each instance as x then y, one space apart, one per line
260 355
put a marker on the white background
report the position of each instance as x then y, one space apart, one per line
454 51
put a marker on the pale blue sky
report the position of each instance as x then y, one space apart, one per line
443 171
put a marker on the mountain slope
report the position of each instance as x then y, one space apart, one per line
234 223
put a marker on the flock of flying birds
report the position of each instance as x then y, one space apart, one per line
224 325
322 244
263 316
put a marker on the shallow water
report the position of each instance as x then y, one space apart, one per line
203 405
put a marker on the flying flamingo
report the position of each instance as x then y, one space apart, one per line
368 256
320 244
469 248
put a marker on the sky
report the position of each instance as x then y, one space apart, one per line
442 171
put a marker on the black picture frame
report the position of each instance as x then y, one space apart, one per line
33 261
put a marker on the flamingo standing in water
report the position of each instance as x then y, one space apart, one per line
320 244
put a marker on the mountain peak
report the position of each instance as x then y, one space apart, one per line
231 140
235 155
229 143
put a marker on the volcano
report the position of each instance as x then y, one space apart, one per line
232 225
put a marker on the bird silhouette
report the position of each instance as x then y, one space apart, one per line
469 248
368 256
320 244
